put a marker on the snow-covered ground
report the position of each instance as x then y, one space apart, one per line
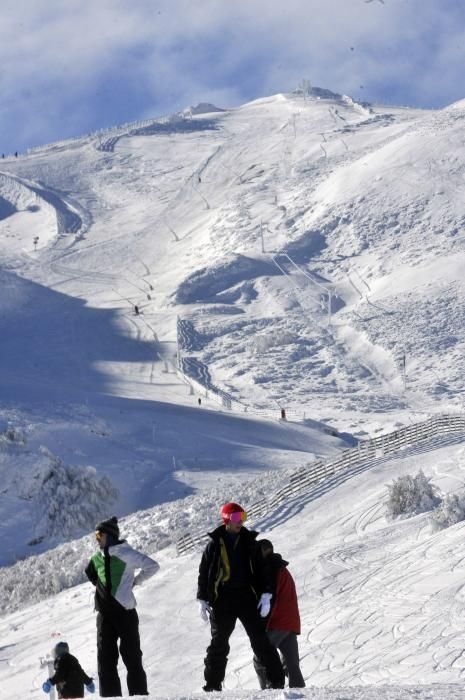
382 603
307 254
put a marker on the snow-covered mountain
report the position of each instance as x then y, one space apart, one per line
190 217
301 253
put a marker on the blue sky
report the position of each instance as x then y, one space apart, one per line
74 66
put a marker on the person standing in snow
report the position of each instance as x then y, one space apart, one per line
69 678
283 622
234 583
112 571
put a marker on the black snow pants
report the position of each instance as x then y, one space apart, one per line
232 606
287 644
122 625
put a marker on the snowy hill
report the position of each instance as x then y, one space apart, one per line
354 196
300 253
364 202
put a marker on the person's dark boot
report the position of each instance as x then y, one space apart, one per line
211 688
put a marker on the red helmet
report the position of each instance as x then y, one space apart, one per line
228 509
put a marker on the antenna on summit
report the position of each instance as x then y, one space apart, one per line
306 88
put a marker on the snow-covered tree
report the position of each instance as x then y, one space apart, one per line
450 511
409 495
70 499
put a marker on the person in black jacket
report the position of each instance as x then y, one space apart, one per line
234 583
69 678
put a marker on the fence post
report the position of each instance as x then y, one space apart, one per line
178 347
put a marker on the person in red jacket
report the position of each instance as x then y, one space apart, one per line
283 622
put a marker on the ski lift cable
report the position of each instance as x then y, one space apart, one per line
305 274
289 277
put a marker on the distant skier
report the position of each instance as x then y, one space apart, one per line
136 310
112 571
283 622
199 401
233 584
69 678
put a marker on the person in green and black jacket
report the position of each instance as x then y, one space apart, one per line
234 583
112 571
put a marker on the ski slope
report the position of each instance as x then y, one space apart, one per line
185 216
311 250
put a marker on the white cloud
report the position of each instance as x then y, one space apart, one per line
55 55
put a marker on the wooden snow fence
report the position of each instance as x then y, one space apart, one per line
440 426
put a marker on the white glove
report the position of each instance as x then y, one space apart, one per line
264 604
204 610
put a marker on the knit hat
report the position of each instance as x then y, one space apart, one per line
265 546
60 649
109 526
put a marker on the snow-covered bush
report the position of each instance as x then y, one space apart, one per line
450 511
409 495
69 499
262 343
9 434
